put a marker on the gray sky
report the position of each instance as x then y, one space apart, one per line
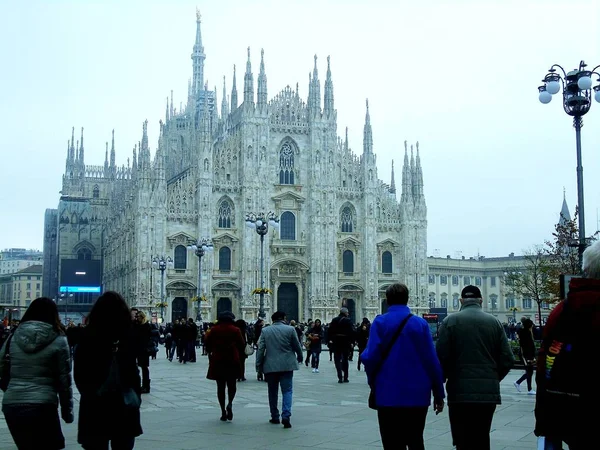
460 77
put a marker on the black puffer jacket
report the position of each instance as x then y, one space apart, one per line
475 355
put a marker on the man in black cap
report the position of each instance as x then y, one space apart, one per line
475 356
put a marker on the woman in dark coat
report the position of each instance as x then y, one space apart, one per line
144 347
225 347
527 354
315 336
102 418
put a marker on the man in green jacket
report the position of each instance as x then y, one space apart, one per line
475 356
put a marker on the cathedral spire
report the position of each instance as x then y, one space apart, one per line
81 154
393 181
205 119
367 133
198 58
106 160
134 163
328 106
262 83
565 214
234 96
406 177
346 144
224 104
314 101
171 110
248 84
167 111
72 148
112 151
418 175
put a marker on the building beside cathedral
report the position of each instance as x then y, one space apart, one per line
343 236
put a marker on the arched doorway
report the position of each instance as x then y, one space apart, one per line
384 306
179 309
351 305
223 305
287 300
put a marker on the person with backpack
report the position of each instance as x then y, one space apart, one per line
107 377
568 392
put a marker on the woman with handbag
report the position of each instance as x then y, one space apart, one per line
314 340
107 350
528 351
36 364
225 347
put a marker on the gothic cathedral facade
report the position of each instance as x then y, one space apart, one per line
343 236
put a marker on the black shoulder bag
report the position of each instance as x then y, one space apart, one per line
5 375
384 355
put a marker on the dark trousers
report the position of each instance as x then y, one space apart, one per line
528 375
402 427
190 351
34 426
470 424
115 444
340 356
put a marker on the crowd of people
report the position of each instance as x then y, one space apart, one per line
406 371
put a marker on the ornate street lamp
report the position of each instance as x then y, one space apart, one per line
577 100
162 263
200 248
260 223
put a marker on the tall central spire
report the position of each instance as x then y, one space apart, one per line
248 83
198 58
262 83
367 133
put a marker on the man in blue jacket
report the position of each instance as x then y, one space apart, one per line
405 380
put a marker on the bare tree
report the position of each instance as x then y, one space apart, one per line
537 279
562 249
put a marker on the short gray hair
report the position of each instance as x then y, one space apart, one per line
344 310
591 261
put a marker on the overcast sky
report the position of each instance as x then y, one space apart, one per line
460 77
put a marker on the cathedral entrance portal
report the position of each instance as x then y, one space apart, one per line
384 306
178 309
287 300
223 305
351 305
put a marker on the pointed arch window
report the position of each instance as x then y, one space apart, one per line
84 254
386 262
180 259
224 259
347 220
348 262
288 226
225 214
96 192
286 164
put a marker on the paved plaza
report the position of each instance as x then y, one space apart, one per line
182 413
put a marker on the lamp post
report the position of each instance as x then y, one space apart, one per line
577 100
200 248
66 295
162 263
260 223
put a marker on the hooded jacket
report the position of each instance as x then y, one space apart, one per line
40 367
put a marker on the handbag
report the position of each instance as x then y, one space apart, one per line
384 355
113 391
5 375
249 350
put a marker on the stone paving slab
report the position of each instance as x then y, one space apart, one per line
182 412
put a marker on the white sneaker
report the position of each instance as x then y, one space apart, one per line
531 392
316 370
517 386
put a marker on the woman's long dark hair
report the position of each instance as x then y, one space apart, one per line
44 310
110 316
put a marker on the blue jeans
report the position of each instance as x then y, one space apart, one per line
274 380
315 359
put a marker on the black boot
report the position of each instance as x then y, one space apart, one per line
146 387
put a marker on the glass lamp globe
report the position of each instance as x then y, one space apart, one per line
597 95
545 97
553 87
584 83
259 223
